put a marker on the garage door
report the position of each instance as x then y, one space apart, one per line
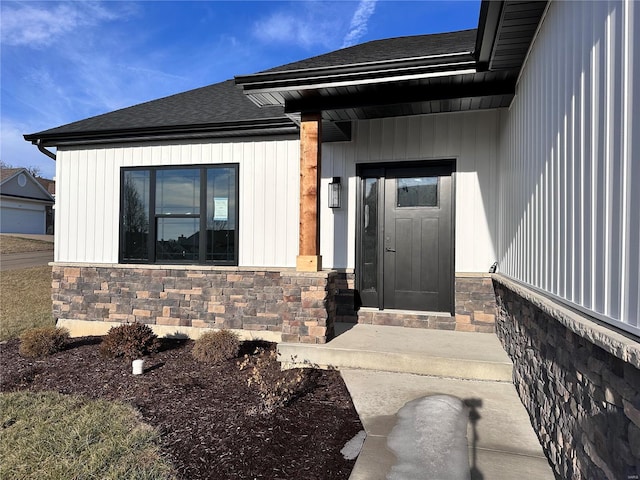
16 220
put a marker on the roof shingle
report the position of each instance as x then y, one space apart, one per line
218 103
225 103
390 49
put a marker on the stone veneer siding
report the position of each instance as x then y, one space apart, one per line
475 306
579 381
475 303
294 303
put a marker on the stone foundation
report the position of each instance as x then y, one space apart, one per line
475 307
296 304
299 306
475 303
580 382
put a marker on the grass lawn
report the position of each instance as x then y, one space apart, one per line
51 436
25 300
11 244
25 295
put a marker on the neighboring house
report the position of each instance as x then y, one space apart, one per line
25 204
510 144
50 186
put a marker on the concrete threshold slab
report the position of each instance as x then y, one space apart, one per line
471 356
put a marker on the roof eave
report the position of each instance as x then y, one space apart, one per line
355 74
362 67
269 126
490 14
50 201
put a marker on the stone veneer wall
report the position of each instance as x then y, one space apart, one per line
580 382
475 303
475 306
294 303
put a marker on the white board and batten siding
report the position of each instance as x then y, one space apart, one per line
87 217
470 138
570 162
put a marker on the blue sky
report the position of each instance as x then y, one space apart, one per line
65 61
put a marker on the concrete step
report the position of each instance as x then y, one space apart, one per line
470 356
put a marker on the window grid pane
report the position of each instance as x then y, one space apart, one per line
178 239
180 202
135 203
178 191
221 214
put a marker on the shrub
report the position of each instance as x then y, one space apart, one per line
216 347
131 341
275 388
38 342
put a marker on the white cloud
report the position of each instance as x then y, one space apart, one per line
287 28
29 24
358 26
81 61
309 24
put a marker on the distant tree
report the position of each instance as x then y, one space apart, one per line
33 170
135 212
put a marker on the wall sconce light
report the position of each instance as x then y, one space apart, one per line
334 192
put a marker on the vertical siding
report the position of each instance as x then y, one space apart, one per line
88 196
568 197
469 138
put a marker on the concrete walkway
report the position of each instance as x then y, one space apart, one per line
16 261
473 356
379 366
43 238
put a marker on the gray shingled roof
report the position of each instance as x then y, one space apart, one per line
6 173
225 103
218 103
390 49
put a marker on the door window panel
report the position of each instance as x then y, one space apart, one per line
417 192
370 236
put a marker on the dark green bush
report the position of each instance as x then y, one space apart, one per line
216 347
38 342
131 341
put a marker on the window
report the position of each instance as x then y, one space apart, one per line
179 215
417 192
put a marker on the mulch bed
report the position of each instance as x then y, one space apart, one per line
210 421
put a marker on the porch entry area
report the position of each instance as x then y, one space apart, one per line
405 237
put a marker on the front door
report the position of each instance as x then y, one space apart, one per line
405 256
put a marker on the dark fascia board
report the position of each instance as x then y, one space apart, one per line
274 126
490 15
354 73
391 95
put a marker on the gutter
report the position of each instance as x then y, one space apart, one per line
268 126
48 153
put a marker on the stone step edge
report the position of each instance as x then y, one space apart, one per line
316 356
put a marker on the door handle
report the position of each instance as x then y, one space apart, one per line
387 249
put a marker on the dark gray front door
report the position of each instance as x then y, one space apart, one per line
406 241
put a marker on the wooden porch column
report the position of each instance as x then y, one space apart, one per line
309 259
